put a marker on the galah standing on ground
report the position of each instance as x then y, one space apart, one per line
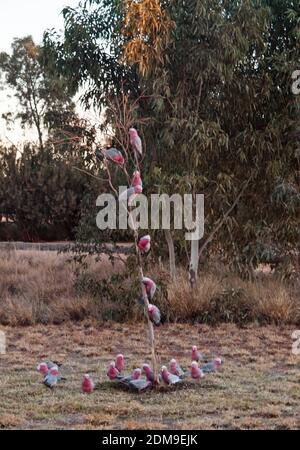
144 244
211 366
136 180
51 378
148 372
114 155
135 141
150 287
175 368
196 372
42 368
154 314
119 362
87 385
130 192
135 375
196 356
112 371
168 377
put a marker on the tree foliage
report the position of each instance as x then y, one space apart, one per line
43 98
218 93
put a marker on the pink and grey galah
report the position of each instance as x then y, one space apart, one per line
196 356
150 287
135 141
144 244
196 372
112 371
154 314
211 366
168 377
175 368
148 372
120 362
114 155
136 179
42 368
51 377
135 375
87 385
130 192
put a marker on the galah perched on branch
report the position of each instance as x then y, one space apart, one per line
175 368
135 141
144 244
154 314
211 366
112 371
112 154
120 362
196 356
150 287
51 377
127 195
168 377
196 372
136 179
87 385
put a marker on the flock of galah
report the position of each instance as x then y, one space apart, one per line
141 378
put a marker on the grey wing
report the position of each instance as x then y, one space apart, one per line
140 385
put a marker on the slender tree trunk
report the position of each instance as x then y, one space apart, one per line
172 260
194 263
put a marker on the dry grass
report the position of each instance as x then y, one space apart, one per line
223 297
258 387
38 287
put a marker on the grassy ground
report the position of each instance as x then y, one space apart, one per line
257 388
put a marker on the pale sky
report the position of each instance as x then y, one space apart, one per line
19 18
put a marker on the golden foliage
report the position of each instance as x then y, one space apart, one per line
146 27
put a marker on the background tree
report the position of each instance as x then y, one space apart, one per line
43 97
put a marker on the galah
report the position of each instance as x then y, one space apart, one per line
135 375
154 314
196 356
42 368
211 366
148 372
114 155
196 372
175 368
51 378
135 141
144 244
136 179
130 192
119 362
150 286
87 385
112 371
168 377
